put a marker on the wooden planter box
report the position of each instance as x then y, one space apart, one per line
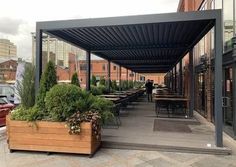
50 137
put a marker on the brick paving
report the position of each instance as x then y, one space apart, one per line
112 158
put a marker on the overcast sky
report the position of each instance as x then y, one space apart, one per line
18 17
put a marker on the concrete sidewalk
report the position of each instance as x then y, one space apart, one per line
113 158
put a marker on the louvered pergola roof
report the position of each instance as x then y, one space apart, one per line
145 43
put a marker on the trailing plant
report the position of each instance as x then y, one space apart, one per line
75 120
48 80
61 101
75 79
94 81
26 87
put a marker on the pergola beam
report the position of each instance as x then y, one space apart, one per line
142 47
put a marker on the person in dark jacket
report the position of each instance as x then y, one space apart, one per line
149 88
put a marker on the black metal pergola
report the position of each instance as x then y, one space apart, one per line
144 44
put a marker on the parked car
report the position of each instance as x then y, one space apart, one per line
8 91
5 108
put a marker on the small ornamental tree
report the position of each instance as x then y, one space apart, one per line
26 88
75 79
94 81
48 80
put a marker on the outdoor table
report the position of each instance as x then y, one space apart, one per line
171 102
109 95
113 99
168 96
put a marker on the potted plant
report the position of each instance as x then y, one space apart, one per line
70 122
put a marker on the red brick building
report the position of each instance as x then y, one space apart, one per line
8 70
99 68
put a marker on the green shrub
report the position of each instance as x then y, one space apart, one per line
138 84
30 114
48 80
130 84
88 102
95 90
94 81
26 88
85 101
104 107
114 85
102 88
75 79
124 84
102 81
61 101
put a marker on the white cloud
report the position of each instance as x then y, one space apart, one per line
22 15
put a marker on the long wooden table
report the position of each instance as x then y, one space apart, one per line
113 99
168 96
170 103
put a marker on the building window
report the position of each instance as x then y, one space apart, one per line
228 7
114 68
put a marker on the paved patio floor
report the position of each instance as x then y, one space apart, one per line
125 157
137 128
113 158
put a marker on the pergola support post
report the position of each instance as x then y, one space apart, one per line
191 84
181 77
234 84
109 75
39 36
218 82
119 78
175 78
88 63
172 79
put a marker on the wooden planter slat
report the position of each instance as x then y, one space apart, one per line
50 137
34 130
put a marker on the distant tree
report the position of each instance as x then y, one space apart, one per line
47 81
75 79
94 81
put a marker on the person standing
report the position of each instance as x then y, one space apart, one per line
149 88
